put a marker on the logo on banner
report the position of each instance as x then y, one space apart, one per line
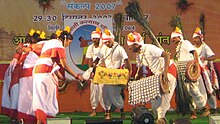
81 30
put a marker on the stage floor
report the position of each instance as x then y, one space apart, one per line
81 117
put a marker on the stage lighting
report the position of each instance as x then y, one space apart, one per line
141 115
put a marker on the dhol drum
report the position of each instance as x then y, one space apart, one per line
189 70
111 76
145 89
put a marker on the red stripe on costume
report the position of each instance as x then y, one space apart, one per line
22 58
54 53
26 72
106 38
28 119
13 113
37 48
172 70
43 68
5 111
17 56
15 76
41 115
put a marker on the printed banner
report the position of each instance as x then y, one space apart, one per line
81 30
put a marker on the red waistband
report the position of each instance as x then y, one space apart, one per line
172 70
43 69
26 72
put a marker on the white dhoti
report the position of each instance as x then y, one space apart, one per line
96 95
194 91
162 104
45 102
112 95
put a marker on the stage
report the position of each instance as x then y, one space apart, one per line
74 103
81 117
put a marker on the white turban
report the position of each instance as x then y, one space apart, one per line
134 37
96 34
177 33
198 33
107 36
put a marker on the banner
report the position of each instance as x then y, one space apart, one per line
81 30
19 16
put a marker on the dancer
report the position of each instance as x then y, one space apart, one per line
158 62
209 76
25 110
45 81
185 51
115 57
91 55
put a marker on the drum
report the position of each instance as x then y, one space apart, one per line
189 70
111 76
144 90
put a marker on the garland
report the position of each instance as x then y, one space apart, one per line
79 87
182 6
202 23
176 22
45 4
118 18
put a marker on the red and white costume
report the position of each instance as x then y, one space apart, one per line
6 96
45 82
25 109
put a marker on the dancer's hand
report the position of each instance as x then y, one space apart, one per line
80 77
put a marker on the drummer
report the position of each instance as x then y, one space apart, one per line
158 62
185 51
115 57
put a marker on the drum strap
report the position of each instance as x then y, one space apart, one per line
138 69
113 49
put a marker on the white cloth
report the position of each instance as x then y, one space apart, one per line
204 51
185 48
96 95
92 52
46 98
151 58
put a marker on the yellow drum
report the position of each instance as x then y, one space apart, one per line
111 76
